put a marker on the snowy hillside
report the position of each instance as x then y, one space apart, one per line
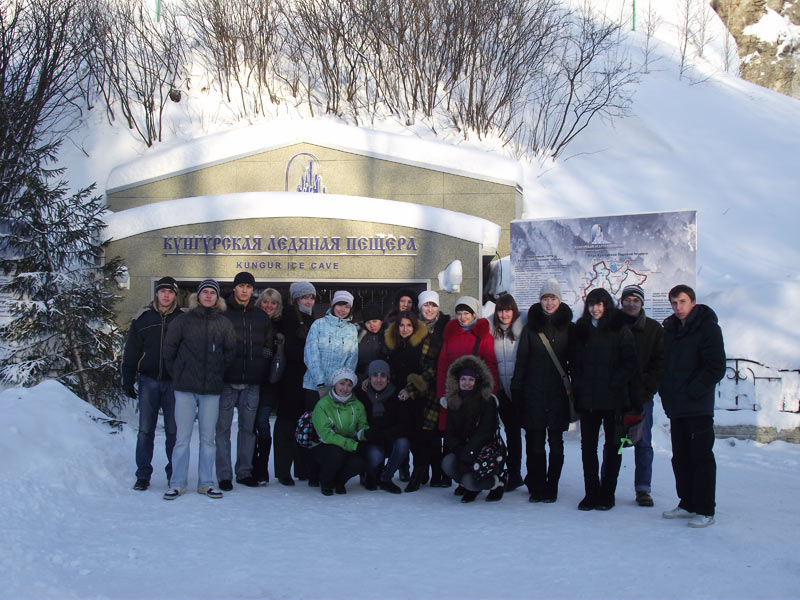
701 140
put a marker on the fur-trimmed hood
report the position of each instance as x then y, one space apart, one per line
613 320
537 318
484 383
420 333
221 305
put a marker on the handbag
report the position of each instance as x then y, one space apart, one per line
573 414
305 434
491 458
278 364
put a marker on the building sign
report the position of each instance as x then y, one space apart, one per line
655 250
302 174
292 245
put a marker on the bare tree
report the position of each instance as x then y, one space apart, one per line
137 61
40 72
61 321
585 75
701 24
652 21
684 34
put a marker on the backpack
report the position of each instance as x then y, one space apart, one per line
305 434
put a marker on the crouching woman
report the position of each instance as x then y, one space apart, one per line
471 424
340 421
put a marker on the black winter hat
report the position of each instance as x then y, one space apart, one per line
633 290
244 277
167 283
410 294
371 312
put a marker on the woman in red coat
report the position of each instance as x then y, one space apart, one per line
466 334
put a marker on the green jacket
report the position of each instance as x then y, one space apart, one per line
340 423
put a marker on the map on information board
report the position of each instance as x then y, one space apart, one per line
654 250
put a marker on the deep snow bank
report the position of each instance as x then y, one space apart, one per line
52 439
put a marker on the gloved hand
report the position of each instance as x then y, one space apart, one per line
266 353
129 391
279 338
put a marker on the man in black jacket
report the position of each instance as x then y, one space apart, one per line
694 363
254 338
648 335
143 355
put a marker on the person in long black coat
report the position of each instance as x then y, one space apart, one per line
538 389
296 321
603 363
403 350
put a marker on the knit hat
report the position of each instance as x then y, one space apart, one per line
468 371
342 296
343 373
167 283
301 288
208 283
468 303
550 287
370 312
633 290
378 366
244 277
408 293
428 296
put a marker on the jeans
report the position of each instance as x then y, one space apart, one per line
207 407
643 452
154 394
246 401
398 451
693 463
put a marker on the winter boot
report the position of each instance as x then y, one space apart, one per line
496 493
469 496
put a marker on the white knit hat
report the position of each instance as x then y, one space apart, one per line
342 296
343 373
471 303
428 296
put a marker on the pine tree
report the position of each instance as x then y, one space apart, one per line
62 308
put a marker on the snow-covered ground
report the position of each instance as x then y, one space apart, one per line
74 528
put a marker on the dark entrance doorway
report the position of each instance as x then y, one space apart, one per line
382 294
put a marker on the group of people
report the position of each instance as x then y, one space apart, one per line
417 382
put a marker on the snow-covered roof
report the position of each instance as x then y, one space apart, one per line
257 205
254 139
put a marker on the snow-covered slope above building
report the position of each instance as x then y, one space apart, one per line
701 140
